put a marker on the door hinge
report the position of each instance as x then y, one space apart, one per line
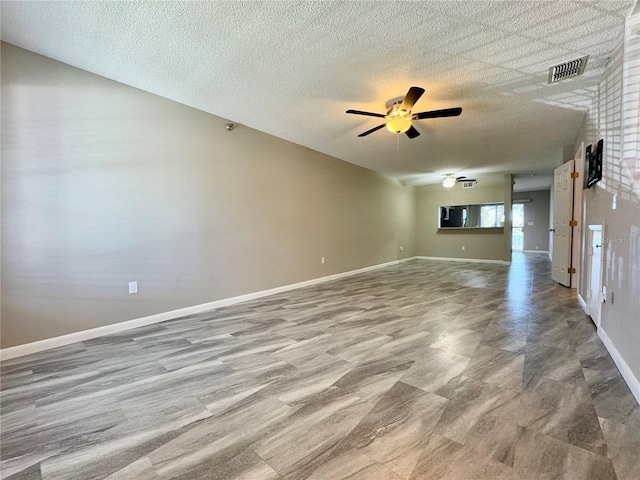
575 174
571 270
573 223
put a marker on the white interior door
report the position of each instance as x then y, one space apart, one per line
595 296
562 230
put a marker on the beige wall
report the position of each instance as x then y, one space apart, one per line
486 244
620 318
103 184
536 211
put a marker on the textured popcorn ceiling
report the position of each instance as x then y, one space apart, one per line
291 69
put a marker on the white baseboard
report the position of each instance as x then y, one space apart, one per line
583 304
536 251
471 260
627 374
49 343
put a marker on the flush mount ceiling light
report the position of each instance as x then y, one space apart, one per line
448 181
399 116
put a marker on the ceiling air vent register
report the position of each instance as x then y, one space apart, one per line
569 69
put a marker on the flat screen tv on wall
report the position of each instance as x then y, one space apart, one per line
593 156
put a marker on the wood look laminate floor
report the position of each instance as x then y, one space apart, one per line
426 370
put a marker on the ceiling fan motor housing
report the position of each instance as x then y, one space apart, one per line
396 110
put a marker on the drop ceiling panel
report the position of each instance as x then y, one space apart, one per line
572 24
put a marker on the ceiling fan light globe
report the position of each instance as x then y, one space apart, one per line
448 182
399 124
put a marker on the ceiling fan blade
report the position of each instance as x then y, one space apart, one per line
447 112
412 132
372 130
369 114
410 99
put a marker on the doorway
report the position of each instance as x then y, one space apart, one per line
594 293
517 227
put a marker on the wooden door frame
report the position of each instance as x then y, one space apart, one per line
560 270
576 243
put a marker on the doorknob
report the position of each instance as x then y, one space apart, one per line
597 246
552 229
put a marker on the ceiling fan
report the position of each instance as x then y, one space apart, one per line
399 116
448 181
465 179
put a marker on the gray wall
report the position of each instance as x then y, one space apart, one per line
536 236
486 244
103 184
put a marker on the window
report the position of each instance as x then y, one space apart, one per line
492 215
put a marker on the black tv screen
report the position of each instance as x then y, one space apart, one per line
587 161
594 159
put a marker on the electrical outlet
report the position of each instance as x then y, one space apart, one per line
463 247
322 260
133 287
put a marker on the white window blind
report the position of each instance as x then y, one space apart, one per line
615 117
630 142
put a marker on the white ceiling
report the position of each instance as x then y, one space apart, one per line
291 69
